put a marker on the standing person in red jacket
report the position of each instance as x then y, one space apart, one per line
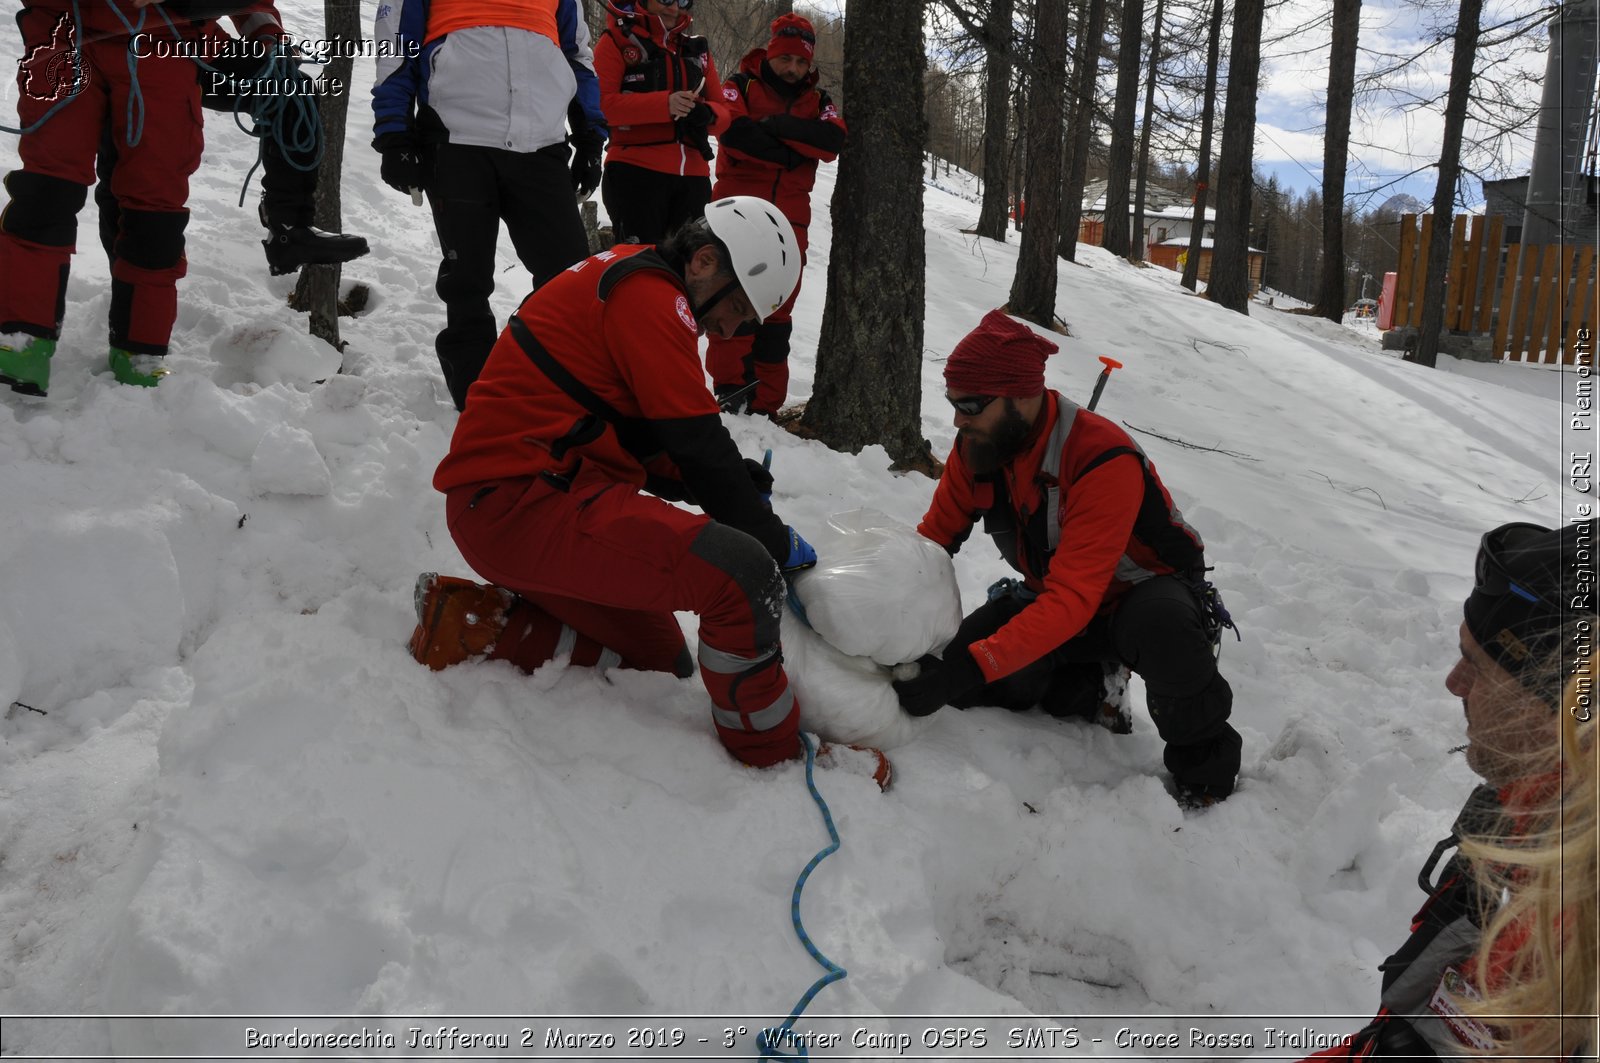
654 76
1111 571
592 413
78 79
780 126
1526 625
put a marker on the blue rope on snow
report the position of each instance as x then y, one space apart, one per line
834 972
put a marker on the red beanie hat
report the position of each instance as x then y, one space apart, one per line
792 35
1001 357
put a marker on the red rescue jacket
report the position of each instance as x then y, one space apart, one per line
639 62
776 135
1080 513
620 325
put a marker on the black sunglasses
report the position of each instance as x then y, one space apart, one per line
972 405
1489 573
795 31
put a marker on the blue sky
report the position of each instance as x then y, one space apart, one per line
1390 137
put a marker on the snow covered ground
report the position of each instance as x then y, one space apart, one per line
226 789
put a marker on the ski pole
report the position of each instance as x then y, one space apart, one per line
1100 382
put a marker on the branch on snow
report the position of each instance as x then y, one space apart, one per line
1352 490
1188 445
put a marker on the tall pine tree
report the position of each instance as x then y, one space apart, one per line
868 387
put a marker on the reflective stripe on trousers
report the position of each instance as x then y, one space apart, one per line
764 719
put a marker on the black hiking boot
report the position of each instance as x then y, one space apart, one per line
289 247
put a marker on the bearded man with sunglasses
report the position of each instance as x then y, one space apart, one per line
782 124
1111 572
1526 623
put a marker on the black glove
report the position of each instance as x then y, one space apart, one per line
403 167
760 478
587 148
699 117
939 683
588 143
204 10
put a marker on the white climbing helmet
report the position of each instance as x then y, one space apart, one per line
766 257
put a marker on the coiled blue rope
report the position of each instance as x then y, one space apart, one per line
833 972
293 123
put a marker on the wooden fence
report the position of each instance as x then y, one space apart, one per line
1518 294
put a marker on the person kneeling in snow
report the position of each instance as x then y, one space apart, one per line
1470 982
591 412
1111 572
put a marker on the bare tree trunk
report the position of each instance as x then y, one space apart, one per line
1230 260
1019 149
318 288
1114 236
1091 37
869 354
1033 289
1335 157
1444 193
996 105
1136 250
1191 266
594 14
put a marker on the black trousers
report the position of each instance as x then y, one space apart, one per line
471 191
1157 631
646 205
288 180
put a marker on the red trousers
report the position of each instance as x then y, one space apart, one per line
760 356
38 230
614 565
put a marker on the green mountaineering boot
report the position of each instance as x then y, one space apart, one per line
26 367
142 370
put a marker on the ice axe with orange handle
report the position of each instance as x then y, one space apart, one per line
1105 374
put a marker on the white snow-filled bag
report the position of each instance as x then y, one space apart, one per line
842 698
879 589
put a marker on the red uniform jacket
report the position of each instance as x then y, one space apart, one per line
639 63
621 325
776 135
1115 525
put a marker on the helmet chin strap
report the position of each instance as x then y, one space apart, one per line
720 294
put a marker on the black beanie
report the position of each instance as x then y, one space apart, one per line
1529 580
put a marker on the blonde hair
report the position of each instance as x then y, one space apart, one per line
1538 957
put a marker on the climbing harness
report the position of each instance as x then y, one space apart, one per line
1214 616
766 1038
